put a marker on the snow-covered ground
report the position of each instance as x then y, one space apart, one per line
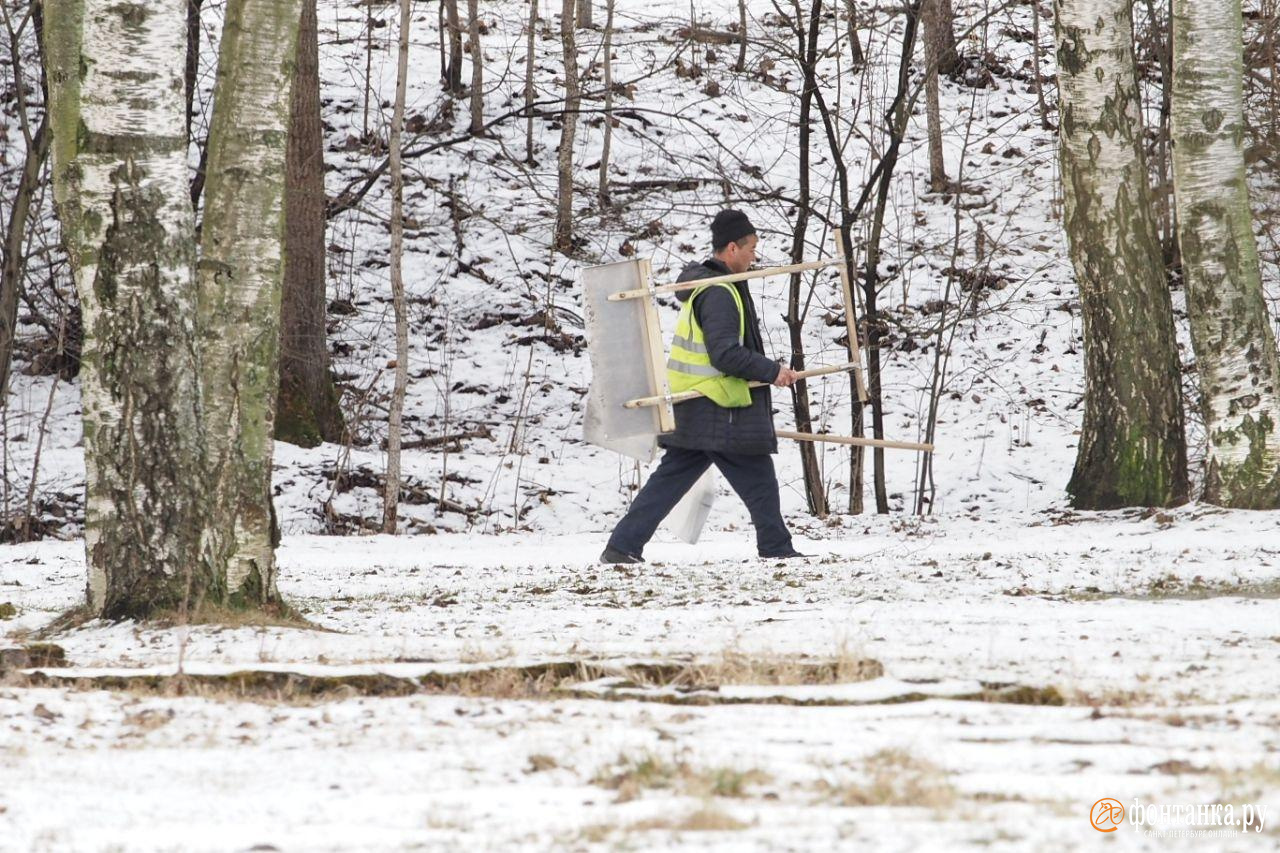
976 679
1154 638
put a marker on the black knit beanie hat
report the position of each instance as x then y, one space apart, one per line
728 227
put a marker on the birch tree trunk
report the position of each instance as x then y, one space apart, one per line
240 287
1235 347
477 67
117 110
563 237
391 485
308 410
1132 450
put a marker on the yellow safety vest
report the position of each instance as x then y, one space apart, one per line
689 367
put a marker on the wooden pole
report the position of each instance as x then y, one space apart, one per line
725 279
689 395
861 442
657 354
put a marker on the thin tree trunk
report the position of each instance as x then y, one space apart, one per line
855 43
608 106
1166 217
1235 347
477 67
443 29
935 49
308 410
1132 450
120 184
529 66
584 20
240 273
948 53
1035 63
391 487
807 38
897 118
741 64
454 80
193 58
13 260
191 80
563 239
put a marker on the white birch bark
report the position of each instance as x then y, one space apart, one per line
1132 449
1230 329
117 108
391 486
240 273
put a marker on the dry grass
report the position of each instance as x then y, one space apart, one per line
894 777
706 818
734 667
631 775
1248 784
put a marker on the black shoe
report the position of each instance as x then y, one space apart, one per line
614 556
784 555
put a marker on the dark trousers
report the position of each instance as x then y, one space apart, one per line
751 476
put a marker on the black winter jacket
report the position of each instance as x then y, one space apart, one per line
700 423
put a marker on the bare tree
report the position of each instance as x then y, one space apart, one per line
391 486
477 67
851 26
1132 449
935 48
529 67
308 410
563 237
945 33
13 252
741 64
608 106
584 15
896 118
806 32
453 73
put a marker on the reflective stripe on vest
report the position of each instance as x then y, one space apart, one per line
689 368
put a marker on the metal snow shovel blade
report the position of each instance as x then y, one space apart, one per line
691 513
627 361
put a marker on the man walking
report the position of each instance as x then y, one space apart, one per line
717 349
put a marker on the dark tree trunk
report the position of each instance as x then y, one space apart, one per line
936 53
807 37
897 118
453 75
14 255
308 409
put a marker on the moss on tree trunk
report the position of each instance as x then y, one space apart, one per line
1132 450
